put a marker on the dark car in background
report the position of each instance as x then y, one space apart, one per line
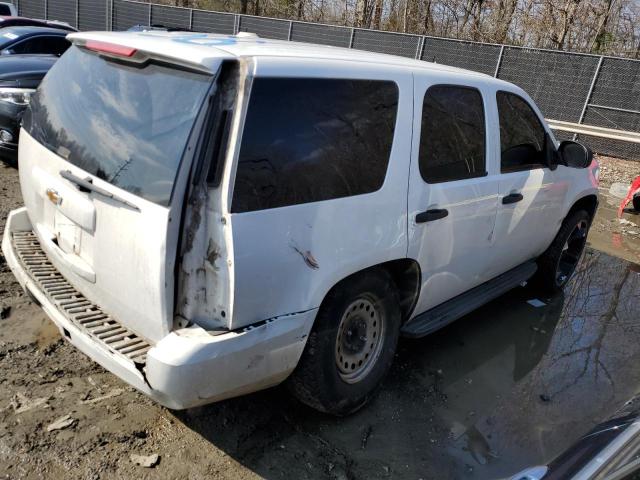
12 21
7 8
610 451
26 40
20 75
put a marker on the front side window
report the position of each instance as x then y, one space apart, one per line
452 138
307 140
125 124
522 136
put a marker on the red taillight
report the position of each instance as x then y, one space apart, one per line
110 48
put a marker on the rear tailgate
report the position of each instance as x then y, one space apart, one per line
102 143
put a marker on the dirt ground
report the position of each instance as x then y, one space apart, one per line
507 387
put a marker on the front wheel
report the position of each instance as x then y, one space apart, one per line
558 263
351 345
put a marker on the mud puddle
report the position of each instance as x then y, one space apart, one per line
617 237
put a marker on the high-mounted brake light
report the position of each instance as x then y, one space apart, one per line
110 48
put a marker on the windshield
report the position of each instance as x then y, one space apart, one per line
124 124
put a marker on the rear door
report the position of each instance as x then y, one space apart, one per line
320 188
100 152
452 188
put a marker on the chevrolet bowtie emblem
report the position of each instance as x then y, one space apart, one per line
54 196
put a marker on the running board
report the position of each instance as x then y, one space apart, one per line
459 306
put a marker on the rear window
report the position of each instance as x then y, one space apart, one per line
124 124
307 140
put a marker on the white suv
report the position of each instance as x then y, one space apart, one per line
209 215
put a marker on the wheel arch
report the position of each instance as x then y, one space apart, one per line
406 276
587 202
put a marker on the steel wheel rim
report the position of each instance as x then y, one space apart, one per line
571 253
359 341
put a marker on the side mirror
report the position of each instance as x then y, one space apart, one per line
575 155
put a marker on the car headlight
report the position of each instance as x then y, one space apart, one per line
17 96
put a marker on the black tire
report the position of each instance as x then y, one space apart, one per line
557 264
318 381
636 202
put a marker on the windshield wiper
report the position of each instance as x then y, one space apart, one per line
88 185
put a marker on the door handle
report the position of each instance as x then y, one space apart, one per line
431 215
512 198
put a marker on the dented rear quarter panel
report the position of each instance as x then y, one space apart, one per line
286 259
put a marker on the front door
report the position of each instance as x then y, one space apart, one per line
531 195
453 189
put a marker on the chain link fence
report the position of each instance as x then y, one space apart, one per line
571 87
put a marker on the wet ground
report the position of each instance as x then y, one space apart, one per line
509 386
617 237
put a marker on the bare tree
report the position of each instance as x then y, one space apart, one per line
598 26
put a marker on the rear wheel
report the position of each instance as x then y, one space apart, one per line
636 202
351 345
558 263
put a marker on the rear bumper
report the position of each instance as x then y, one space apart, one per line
188 367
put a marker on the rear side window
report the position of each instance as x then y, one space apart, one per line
307 140
521 134
452 138
5 10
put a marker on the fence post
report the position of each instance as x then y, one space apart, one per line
236 23
78 14
353 32
420 48
588 98
499 62
591 87
109 16
290 29
150 8
191 19
46 9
